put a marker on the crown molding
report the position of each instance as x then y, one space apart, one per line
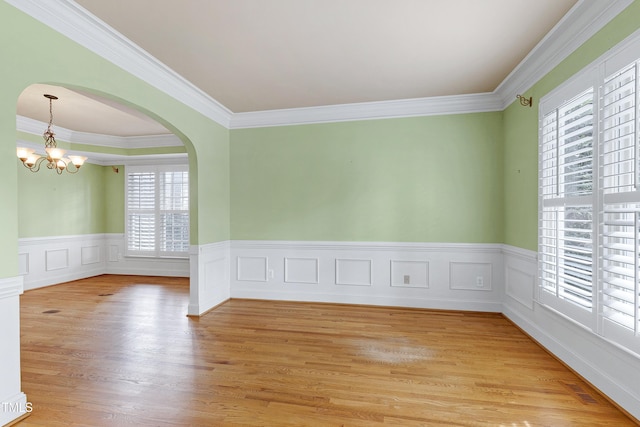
583 21
457 104
36 127
108 159
65 16
75 22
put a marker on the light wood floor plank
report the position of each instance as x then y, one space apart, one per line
121 351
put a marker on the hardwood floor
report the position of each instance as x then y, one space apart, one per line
119 350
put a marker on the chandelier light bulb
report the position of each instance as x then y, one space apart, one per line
24 153
55 153
31 159
77 160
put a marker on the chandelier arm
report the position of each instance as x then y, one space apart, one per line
36 165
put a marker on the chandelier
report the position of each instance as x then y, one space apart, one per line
55 156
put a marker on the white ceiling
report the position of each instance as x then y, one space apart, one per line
84 112
256 55
253 55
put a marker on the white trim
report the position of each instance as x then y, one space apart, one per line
75 22
127 142
11 287
36 127
154 160
217 246
366 246
107 159
456 104
525 254
68 18
583 21
62 240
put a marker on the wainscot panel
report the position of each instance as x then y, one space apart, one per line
209 284
386 274
51 260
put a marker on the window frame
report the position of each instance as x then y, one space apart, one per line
605 202
157 170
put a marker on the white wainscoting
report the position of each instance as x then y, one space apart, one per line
613 370
437 276
478 277
12 399
50 260
209 284
45 261
118 263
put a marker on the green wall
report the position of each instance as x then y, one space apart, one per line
113 199
60 205
88 202
425 179
521 131
26 46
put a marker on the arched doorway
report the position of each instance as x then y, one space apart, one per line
98 224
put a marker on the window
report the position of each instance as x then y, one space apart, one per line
589 218
157 211
566 232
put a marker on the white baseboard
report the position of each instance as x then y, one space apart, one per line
614 371
424 275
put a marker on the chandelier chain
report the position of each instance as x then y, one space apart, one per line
49 135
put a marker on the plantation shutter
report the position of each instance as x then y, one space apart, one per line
141 217
589 197
566 223
157 211
174 211
621 221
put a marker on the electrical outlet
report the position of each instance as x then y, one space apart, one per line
407 279
479 282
